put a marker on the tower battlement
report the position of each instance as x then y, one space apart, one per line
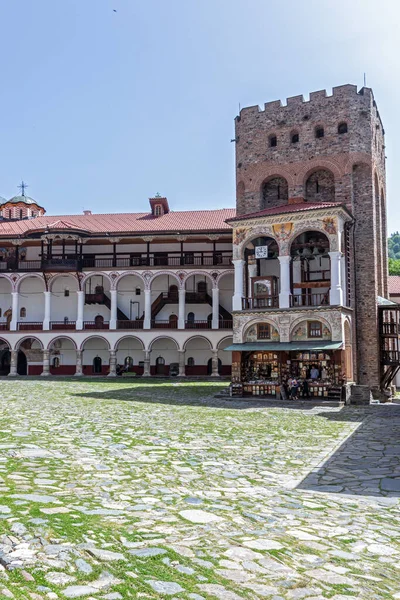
318 100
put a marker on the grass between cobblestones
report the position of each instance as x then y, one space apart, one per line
134 489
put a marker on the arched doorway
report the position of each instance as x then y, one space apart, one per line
173 321
97 365
22 363
5 362
160 365
209 366
99 322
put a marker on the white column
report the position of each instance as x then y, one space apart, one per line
14 311
343 278
252 271
238 295
336 293
284 294
181 313
147 310
47 311
114 302
78 371
214 363
182 372
46 363
13 363
113 362
215 308
81 306
146 369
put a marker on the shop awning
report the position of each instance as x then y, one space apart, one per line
284 346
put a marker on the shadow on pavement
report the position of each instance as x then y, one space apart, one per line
367 463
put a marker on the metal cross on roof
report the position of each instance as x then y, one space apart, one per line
23 187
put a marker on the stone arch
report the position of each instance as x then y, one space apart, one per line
126 274
18 343
26 276
201 337
163 337
167 273
274 191
63 276
257 320
96 274
92 337
318 164
204 274
271 172
260 231
62 337
128 337
225 339
9 280
319 186
310 227
314 317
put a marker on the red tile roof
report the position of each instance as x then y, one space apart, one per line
394 285
287 208
180 221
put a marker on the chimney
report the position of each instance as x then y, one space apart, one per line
87 212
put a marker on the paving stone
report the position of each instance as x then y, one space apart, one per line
105 555
78 591
168 588
146 552
199 516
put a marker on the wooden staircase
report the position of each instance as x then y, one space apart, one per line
102 298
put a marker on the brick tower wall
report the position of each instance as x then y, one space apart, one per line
273 169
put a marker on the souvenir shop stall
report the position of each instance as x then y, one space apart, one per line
267 369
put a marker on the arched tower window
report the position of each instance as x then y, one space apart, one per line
20 213
320 187
319 132
342 128
274 192
22 313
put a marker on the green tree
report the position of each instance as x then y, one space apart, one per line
394 266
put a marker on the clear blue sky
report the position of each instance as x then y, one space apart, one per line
102 109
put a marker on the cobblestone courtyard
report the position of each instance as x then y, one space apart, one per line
120 489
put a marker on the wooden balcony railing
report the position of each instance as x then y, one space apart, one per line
225 324
96 325
130 324
4 327
198 325
261 303
309 299
164 324
390 329
62 325
33 326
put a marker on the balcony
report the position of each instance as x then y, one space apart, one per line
171 324
62 325
130 324
96 325
260 303
26 326
177 259
299 300
198 324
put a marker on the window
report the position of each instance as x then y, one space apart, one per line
22 313
342 128
263 331
138 291
190 361
273 142
20 213
158 210
295 138
9 214
1 313
319 132
56 362
66 292
314 329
